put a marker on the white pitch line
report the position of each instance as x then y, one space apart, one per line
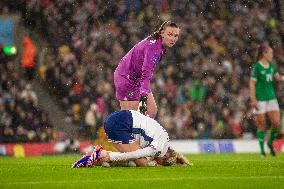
236 160
141 179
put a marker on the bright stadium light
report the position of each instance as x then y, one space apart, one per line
9 50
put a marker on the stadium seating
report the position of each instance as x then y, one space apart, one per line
21 119
216 48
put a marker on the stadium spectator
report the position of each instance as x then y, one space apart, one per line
91 120
197 92
28 57
29 95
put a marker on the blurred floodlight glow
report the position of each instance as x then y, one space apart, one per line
9 50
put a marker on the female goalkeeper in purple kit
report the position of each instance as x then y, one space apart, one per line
135 70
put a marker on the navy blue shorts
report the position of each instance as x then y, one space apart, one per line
118 127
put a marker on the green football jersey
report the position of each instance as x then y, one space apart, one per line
264 89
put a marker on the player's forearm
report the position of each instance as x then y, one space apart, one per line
125 156
252 90
279 77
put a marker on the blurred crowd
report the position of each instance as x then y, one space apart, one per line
21 119
201 86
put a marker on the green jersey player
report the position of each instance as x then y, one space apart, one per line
263 97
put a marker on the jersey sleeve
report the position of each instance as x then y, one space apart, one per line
253 73
151 57
161 145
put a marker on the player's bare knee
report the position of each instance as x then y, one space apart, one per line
261 125
276 124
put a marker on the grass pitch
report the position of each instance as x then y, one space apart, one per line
209 171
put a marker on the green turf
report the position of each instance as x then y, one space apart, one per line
209 171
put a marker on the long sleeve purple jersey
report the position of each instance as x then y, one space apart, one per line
138 64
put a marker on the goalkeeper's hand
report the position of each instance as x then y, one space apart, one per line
142 108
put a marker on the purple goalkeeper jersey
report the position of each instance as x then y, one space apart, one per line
137 66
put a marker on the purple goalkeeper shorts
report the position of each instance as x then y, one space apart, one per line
126 89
